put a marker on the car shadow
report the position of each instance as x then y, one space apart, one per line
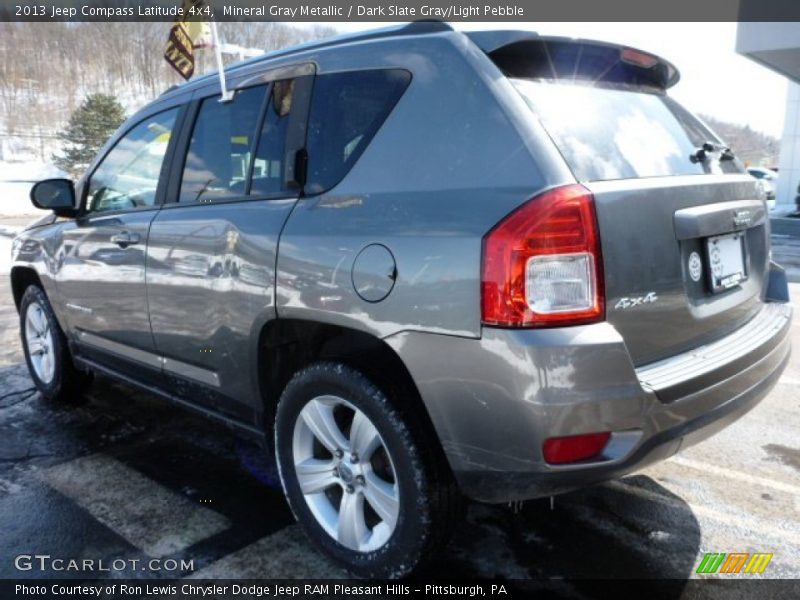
634 528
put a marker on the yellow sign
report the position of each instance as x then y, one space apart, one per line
185 36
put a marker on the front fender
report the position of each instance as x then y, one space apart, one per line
36 257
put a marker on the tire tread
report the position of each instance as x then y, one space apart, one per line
441 504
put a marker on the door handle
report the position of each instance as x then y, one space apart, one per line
125 239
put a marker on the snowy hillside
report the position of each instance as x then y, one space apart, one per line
48 69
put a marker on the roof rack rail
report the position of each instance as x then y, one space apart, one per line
413 28
420 27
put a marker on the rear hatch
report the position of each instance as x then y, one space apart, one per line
683 228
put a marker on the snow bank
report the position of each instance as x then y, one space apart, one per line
16 180
28 171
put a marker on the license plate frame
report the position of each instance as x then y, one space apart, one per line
726 261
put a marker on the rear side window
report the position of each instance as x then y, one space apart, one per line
219 157
614 133
269 160
347 109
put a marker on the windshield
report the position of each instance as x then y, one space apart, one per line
618 133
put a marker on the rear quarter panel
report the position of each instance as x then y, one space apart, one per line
450 161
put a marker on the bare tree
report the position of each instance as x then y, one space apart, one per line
47 69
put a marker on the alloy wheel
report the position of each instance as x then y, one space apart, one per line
345 473
40 343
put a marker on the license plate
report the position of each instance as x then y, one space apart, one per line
726 261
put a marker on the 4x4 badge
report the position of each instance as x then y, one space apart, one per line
742 218
626 302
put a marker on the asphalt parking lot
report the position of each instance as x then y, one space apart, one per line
125 475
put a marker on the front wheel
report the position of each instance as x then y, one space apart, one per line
46 350
364 488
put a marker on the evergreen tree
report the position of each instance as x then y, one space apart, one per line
88 129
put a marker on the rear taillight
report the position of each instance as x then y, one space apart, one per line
542 264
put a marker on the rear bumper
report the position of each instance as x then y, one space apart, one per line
493 401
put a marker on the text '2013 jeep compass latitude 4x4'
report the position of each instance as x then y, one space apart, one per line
424 264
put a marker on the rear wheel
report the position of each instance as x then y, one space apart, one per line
364 488
46 350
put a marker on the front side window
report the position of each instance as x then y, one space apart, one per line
219 157
127 178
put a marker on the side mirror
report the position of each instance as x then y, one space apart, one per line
57 195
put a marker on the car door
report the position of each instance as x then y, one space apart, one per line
212 248
101 275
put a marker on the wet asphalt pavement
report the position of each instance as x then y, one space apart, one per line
125 475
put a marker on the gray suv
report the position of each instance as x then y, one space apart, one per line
421 265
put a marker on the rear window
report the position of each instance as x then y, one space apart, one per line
616 133
347 109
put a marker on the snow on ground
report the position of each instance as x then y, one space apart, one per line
16 180
5 254
33 170
15 199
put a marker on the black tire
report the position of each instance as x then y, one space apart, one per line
429 502
67 383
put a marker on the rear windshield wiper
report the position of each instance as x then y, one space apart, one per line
700 155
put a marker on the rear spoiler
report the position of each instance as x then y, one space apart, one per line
527 54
